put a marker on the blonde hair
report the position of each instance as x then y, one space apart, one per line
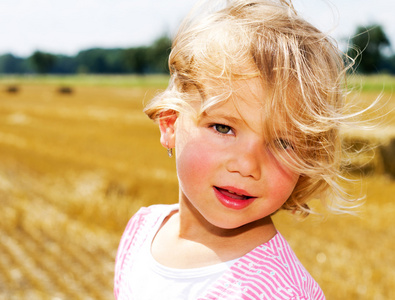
300 66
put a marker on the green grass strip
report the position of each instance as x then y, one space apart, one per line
155 81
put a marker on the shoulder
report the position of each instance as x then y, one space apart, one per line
144 220
286 269
156 210
272 270
136 232
149 216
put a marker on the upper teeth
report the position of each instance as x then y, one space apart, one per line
235 193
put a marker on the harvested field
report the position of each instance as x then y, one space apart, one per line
75 166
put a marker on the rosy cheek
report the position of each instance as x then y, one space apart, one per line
194 162
284 183
282 168
287 174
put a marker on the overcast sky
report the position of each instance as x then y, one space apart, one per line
68 26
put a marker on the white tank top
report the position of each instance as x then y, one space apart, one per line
169 283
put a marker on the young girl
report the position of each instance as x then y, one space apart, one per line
253 111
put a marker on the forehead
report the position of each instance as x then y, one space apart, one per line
251 91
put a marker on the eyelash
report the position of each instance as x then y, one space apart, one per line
215 126
284 144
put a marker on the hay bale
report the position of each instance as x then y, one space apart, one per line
361 155
12 89
65 90
388 157
374 150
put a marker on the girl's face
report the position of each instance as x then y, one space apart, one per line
225 169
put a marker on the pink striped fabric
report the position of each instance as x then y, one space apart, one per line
270 271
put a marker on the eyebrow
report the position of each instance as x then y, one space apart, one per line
221 115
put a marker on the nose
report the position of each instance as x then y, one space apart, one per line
248 159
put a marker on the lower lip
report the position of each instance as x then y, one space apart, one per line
231 202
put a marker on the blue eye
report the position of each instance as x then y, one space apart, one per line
223 129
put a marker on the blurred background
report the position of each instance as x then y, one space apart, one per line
78 157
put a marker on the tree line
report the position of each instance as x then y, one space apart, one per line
369 46
137 60
371 49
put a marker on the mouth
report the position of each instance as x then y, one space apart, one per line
233 194
233 198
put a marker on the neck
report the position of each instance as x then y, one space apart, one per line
194 227
187 240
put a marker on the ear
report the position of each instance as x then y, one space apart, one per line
167 120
